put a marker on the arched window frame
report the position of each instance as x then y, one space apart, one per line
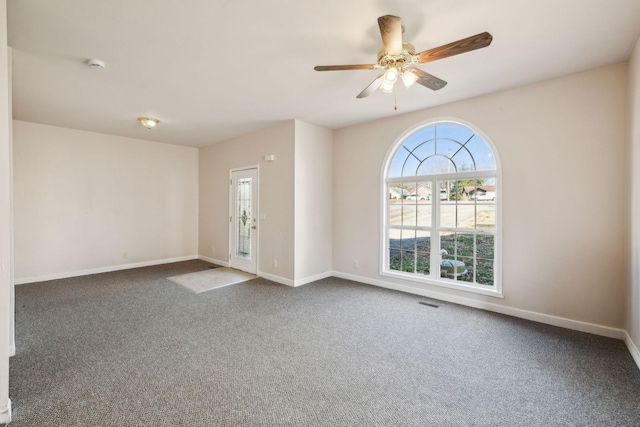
496 289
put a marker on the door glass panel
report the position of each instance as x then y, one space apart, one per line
244 218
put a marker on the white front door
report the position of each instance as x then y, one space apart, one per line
243 220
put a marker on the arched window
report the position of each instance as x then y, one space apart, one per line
441 222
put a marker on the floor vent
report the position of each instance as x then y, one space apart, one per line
429 304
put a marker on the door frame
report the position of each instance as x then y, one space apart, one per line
231 229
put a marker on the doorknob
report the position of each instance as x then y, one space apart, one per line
253 228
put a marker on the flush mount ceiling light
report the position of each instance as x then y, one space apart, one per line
96 64
148 122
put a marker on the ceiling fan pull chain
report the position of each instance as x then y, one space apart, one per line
395 103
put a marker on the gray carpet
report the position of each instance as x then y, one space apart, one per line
131 348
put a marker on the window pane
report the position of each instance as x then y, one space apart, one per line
485 246
395 260
465 245
484 272
409 212
457 256
466 209
408 261
447 214
395 167
447 147
425 150
395 194
395 212
436 165
447 244
466 273
453 131
464 161
447 208
486 215
395 241
408 240
418 137
424 204
408 251
481 153
423 252
410 166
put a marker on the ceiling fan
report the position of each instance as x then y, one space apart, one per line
398 58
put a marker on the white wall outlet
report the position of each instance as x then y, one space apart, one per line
355 263
275 263
213 249
125 255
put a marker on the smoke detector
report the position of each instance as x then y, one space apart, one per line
95 63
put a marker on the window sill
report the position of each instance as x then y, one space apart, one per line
445 283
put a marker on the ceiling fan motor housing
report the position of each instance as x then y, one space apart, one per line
407 57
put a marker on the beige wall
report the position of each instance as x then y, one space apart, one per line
87 201
565 193
633 298
276 237
313 200
5 219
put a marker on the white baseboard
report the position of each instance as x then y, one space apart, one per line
277 279
304 281
87 272
515 312
5 414
214 261
12 350
297 282
633 349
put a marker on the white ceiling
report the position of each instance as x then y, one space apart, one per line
210 70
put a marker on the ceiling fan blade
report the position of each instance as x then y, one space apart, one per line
461 46
371 88
345 67
391 32
427 80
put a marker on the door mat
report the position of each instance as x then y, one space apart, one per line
202 281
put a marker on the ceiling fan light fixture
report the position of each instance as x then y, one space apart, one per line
386 87
148 122
389 80
408 78
391 75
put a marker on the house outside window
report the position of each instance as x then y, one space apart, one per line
441 225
